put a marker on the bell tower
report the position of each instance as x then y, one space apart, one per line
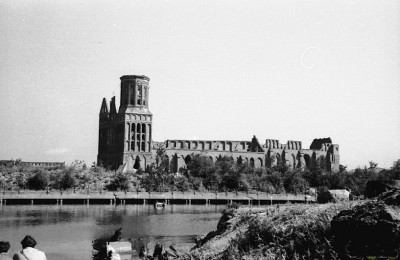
137 119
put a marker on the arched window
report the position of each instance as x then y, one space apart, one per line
187 145
252 162
259 163
136 165
139 94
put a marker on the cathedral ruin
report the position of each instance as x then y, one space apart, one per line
125 139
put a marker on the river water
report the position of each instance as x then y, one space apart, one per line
66 232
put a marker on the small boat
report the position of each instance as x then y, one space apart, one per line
160 204
120 250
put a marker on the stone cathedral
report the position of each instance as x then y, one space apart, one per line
125 139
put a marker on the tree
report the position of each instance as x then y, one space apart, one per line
231 180
21 181
118 182
67 181
211 182
294 183
200 166
38 181
276 179
182 183
162 162
156 174
372 165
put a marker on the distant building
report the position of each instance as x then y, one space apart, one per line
35 164
125 139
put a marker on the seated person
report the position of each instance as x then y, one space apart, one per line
4 247
28 251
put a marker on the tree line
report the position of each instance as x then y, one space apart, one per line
201 174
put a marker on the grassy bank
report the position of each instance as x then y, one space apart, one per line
288 232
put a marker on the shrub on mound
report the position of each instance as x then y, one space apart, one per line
371 229
391 197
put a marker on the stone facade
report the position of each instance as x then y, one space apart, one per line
125 139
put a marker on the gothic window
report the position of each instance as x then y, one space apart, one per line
132 94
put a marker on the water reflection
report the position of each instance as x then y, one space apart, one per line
69 231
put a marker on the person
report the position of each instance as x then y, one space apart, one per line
4 247
29 252
117 235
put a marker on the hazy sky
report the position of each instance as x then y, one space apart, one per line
287 70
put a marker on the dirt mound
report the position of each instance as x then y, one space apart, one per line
224 224
371 229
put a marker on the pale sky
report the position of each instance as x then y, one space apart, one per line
287 70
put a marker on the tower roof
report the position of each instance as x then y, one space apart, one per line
125 77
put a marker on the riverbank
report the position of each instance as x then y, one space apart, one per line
367 229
